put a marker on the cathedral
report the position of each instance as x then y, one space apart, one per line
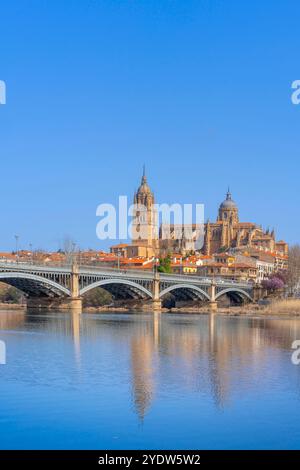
226 233
145 241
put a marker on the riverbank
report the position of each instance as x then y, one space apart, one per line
284 307
11 306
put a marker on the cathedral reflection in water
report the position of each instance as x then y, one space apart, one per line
199 353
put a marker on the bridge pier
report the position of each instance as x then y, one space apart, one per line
156 305
213 304
62 288
71 304
156 302
259 293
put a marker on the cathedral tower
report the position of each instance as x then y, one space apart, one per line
207 239
144 225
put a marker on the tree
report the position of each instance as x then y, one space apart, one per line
10 294
165 264
96 298
293 273
69 249
282 274
273 284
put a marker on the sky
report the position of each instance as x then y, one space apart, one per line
197 90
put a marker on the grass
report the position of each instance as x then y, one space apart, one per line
284 306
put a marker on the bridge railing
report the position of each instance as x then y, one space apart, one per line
67 267
130 272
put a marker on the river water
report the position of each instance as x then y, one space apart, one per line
148 381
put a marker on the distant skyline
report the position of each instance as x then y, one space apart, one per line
199 92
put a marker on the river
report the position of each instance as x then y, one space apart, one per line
148 381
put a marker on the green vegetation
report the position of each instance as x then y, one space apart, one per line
165 264
96 298
9 294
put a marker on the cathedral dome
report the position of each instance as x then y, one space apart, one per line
228 203
144 188
144 194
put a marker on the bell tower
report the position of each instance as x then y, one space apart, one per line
144 225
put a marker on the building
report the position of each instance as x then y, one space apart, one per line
120 250
226 234
184 268
264 270
235 271
144 226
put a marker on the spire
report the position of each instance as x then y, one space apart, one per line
144 179
228 195
144 190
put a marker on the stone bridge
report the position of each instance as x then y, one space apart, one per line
62 287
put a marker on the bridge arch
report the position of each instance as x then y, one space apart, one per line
190 290
132 288
235 290
34 285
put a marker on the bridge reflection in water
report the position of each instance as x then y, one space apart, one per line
190 353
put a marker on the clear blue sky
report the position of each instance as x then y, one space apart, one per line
197 90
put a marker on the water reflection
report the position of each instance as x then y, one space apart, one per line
75 325
143 356
203 354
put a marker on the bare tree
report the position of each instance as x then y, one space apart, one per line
294 269
69 249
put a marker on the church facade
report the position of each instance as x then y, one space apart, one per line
226 233
229 232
